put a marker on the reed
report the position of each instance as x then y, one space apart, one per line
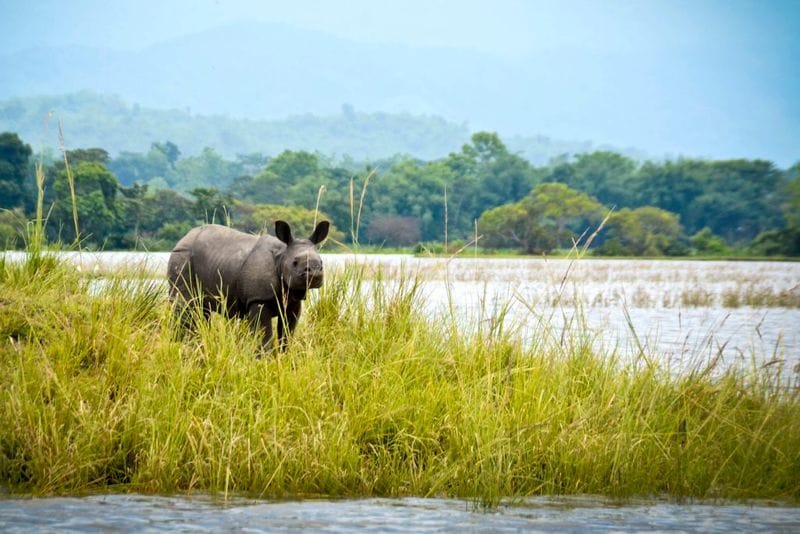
100 388
71 179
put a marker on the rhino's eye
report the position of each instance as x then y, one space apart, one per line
294 263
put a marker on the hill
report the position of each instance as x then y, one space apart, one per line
667 98
93 120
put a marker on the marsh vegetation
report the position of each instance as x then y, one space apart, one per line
101 389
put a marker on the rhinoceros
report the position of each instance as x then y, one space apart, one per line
248 276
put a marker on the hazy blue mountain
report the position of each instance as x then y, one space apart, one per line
261 71
93 120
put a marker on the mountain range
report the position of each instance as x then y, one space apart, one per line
87 119
256 72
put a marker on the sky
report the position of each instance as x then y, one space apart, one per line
498 26
738 48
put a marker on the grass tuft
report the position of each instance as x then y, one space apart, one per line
102 389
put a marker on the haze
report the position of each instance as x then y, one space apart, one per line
717 79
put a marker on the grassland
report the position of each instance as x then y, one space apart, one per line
102 390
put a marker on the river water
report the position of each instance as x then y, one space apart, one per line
125 513
680 310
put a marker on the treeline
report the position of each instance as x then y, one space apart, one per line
148 200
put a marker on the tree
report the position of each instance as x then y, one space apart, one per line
14 170
252 163
170 151
603 175
791 208
293 165
705 242
394 230
672 186
566 208
99 214
645 231
784 241
486 148
147 169
12 228
261 218
410 188
166 207
541 221
211 205
291 177
207 170
165 217
514 226
483 175
86 155
131 210
737 200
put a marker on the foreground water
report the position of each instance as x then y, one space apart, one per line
153 513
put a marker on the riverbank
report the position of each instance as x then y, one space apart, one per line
102 390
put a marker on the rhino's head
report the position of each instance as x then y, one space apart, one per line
300 266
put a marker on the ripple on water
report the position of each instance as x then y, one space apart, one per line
201 513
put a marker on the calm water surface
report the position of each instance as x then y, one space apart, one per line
680 310
122 513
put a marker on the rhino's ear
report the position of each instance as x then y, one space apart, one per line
320 232
283 232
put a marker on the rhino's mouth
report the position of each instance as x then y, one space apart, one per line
311 280
314 281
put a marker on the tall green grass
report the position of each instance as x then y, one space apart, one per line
100 388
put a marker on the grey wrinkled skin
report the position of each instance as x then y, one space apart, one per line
247 276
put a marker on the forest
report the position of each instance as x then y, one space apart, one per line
483 191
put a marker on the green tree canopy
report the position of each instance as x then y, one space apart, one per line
149 168
14 170
211 205
705 242
603 175
482 176
551 216
791 206
260 219
170 151
292 177
99 213
514 226
646 231
410 188
394 230
564 208
12 228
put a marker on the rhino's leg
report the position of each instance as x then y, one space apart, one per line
288 322
181 284
260 319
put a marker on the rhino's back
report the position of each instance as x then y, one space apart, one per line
214 256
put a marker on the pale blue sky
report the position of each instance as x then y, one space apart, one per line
501 26
731 66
